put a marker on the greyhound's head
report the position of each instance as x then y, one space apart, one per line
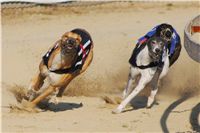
69 47
155 46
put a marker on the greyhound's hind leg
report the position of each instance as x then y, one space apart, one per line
132 74
145 78
35 85
154 87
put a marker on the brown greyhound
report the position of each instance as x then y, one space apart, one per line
69 57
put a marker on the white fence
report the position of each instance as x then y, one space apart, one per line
192 47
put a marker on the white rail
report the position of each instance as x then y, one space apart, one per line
192 47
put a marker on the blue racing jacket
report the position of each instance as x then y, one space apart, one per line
174 41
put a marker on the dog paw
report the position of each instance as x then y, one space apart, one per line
54 100
31 95
116 111
150 102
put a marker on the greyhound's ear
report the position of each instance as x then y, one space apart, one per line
149 40
65 36
78 39
158 30
58 42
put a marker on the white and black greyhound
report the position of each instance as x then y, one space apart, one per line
146 60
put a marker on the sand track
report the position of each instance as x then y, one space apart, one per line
115 27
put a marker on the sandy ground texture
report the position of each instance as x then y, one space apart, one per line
115 27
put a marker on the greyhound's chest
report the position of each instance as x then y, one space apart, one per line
56 62
58 80
54 79
165 67
151 71
143 57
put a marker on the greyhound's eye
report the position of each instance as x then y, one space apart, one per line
162 44
64 45
153 42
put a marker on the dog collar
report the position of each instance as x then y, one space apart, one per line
84 52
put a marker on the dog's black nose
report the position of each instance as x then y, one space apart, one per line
157 50
71 41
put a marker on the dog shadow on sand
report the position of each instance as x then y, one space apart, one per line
140 102
62 106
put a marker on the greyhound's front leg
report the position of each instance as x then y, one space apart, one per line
39 98
43 95
58 94
54 98
151 97
143 81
